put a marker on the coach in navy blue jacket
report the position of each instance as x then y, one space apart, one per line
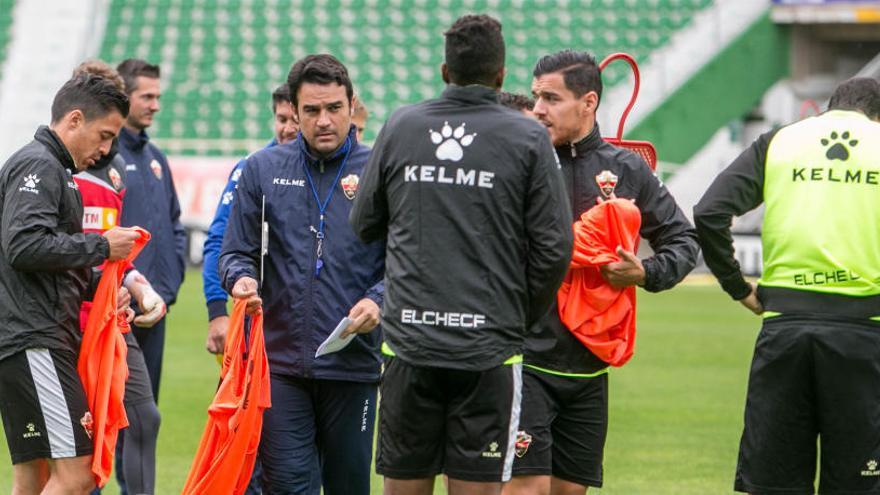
150 202
315 273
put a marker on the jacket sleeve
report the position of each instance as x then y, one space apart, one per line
95 274
215 296
179 231
369 214
30 225
548 227
240 251
736 190
376 293
667 230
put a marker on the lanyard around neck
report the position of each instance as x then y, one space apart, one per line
322 205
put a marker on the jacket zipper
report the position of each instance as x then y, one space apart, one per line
308 358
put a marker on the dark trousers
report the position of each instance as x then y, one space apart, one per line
152 342
318 432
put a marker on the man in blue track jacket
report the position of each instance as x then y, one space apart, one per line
150 202
316 272
215 297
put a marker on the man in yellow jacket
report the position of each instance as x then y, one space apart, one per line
816 366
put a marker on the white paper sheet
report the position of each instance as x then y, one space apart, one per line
335 342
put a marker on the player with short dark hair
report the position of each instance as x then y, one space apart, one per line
470 199
46 264
815 369
102 188
561 441
318 434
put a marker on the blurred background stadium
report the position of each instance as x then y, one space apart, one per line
715 74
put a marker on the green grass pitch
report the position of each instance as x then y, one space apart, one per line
675 413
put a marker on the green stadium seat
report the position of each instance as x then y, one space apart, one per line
221 58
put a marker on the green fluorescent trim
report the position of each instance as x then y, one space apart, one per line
570 375
876 318
770 314
387 350
516 359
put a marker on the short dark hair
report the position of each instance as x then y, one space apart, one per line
280 95
579 71
93 95
474 50
318 69
859 93
132 68
516 101
100 68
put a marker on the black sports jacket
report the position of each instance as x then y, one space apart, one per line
588 166
45 259
470 198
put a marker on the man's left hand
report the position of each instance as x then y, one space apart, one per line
364 317
152 308
626 272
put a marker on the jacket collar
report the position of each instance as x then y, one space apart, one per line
56 147
133 140
350 143
472 94
589 143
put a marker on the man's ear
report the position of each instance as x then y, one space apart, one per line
75 119
590 102
499 78
444 72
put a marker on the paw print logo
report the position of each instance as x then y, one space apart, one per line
227 197
838 150
872 465
31 181
451 143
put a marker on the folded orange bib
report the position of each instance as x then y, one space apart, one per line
601 317
228 449
102 366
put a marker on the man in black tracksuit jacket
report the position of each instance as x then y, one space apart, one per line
565 387
469 196
46 266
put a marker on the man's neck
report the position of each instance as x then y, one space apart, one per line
584 132
62 138
132 129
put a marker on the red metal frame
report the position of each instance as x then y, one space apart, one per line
808 105
644 149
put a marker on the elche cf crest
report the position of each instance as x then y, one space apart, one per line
607 182
115 178
157 169
349 185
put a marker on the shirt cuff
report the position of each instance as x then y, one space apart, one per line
217 308
735 285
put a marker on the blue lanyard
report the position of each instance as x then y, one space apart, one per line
322 206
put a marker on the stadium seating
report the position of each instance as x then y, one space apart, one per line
6 7
221 58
